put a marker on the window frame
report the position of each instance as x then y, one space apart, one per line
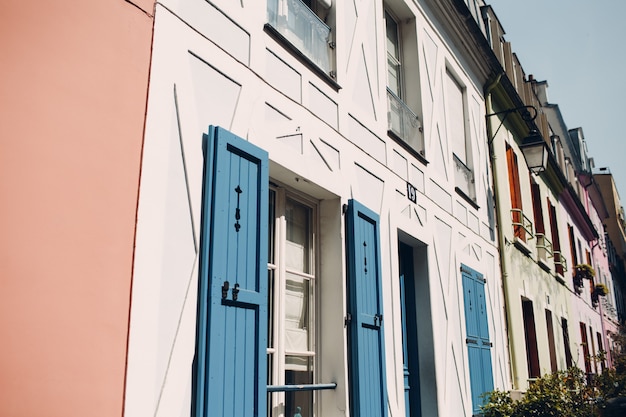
455 99
403 102
451 76
388 14
278 274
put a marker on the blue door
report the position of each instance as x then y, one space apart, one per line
477 339
410 355
368 393
231 336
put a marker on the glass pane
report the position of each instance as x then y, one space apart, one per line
299 370
298 245
297 313
393 55
393 76
456 117
392 37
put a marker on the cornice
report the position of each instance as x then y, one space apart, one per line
465 33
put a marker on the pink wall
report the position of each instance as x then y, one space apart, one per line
73 86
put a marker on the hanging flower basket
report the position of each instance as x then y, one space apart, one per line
584 271
601 289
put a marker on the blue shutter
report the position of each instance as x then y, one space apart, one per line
477 340
368 393
231 336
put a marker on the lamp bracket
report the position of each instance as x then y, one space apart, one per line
524 111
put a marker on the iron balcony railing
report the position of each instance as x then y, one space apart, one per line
303 29
522 225
544 246
403 123
464 178
560 262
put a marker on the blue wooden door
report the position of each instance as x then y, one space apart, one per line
477 339
231 336
410 354
368 393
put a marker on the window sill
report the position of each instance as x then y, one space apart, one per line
407 147
544 264
559 278
466 198
522 246
300 56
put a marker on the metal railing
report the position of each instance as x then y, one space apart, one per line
300 387
560 261
403 123
464 178
303 29
522 226
544 246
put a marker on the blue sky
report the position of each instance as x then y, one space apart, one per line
579 48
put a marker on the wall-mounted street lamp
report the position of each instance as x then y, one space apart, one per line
534 148
535 151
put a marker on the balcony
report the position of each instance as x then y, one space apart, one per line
544 250
522 226
544 246
464 178
403 123
560 263
297 23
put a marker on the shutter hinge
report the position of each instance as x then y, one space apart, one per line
347 320
344 209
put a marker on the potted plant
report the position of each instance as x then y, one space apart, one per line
601 289
584 271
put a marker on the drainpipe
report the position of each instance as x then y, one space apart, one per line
501 241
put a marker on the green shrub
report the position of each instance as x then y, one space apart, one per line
569 393
562 394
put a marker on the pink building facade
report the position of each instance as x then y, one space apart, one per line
74 86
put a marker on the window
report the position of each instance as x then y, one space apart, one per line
566 345
572 244
593 350
402 123
291 340
530 332
303 24
601 351
551 343
455 117
394 65
585 346
560 264
544 245
522 226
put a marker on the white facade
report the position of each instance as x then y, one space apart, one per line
214 63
